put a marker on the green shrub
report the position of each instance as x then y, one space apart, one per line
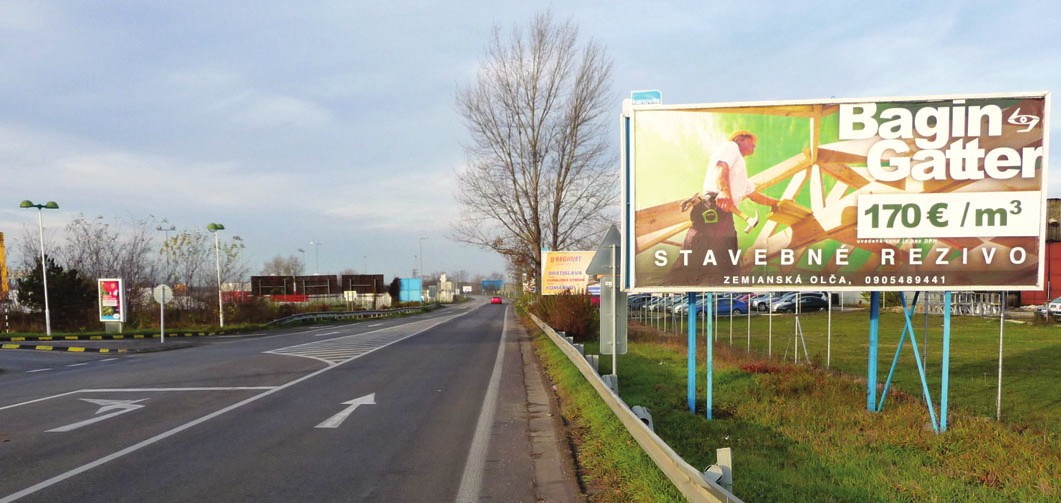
574 314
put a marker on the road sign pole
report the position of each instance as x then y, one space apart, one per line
162 319
615 326
162 294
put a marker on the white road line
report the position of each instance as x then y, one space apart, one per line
37 370
327 333
472 480
164 435
140 390
80 364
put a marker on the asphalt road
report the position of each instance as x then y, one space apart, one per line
411 409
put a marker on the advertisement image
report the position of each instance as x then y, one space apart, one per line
565 271
111 303
936 193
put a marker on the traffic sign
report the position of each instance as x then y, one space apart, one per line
162 294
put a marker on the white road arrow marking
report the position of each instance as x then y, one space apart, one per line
336 420
117 406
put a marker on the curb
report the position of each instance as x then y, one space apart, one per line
111 337
555 477
70 349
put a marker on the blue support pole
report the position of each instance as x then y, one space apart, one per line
898 349
920 367
709 304
691 376
945 362
874 330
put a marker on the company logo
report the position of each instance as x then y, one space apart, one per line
1023 120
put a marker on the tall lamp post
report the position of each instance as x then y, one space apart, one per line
423 287
215 228
422 259
167 230
317 244
50 205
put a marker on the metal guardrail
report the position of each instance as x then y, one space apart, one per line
687 479
343 315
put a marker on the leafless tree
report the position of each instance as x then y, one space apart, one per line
539 173
283 266
190 255
100 250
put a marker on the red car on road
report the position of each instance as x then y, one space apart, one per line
495 300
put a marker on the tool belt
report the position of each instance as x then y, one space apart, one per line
703 212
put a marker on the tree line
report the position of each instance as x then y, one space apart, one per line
130 249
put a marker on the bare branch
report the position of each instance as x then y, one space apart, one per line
539 171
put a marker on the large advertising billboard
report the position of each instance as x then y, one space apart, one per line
931 193
565 271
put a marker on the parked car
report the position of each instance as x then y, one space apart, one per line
637 301
682 308
725 306
664 304
763 301
1053 307
807 302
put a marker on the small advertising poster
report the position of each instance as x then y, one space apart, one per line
111 300
924 193
565 271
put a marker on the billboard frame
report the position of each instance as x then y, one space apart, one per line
114 298
892 280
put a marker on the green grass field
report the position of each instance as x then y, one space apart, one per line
801 432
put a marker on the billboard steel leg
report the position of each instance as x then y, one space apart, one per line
691 376
710 305
874 330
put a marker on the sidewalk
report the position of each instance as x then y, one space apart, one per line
529 458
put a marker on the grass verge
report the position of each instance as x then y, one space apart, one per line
612 467
802 433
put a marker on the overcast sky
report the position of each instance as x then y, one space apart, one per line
334 121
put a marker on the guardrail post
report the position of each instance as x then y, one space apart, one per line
722 471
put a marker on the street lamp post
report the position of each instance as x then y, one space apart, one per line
167 230
300 271
423 287
422 259
215 228
317 244
50 205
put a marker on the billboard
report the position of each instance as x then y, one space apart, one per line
411 290
565 271
492 285
930 193
111 300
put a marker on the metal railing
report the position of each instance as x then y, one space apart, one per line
692 483
347 315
